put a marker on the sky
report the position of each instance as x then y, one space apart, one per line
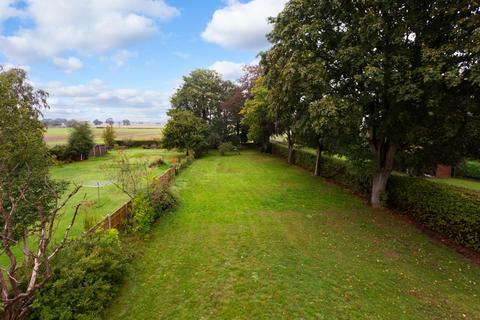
125 58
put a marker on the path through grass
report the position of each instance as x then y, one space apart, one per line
256 239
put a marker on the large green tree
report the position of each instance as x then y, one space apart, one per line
185 131
257 115
209 97
29 199
405 67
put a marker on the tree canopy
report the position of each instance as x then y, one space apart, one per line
407 71
80 141
185 131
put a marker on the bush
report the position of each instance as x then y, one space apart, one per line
449 210
469 169
162 199
86 276
143 213
226 147
59 152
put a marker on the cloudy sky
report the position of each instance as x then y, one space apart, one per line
124 58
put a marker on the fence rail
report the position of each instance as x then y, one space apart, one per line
116 219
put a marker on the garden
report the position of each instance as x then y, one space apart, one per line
256 238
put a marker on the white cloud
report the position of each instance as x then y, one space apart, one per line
68 65
243 25
95 99
7 10
229 70
8 66
86 27
121 57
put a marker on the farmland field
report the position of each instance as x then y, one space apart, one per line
256 239
58 136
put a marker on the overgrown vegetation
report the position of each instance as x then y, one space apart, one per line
227 147
86 277
469 169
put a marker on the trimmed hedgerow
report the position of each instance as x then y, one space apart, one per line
469 169
449 210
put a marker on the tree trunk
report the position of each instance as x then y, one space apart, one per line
16 311
379 186
385 158
318 163
188 153
291 145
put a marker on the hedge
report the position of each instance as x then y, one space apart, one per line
449 210
452 211
469 169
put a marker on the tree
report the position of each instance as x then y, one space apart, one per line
204 93
185 131
257 116
110 121
405 67
127 175
80 141
126 122
241 93
287 101
29 200
97 122
108 135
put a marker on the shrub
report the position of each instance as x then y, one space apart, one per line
469 169
449 210
86 276
143 213
157 163
226 147
162 199
59 152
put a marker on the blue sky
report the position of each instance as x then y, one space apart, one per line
124 58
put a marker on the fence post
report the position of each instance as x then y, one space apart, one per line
109 221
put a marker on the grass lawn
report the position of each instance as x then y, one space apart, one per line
256 239
57 136
88 173
464 183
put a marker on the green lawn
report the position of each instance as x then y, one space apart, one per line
58 136
256 239
464 183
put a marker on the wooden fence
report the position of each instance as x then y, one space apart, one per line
123 214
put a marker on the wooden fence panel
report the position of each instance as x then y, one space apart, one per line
116 219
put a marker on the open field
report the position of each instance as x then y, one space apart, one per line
58 136
464 183
256 239
98 201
